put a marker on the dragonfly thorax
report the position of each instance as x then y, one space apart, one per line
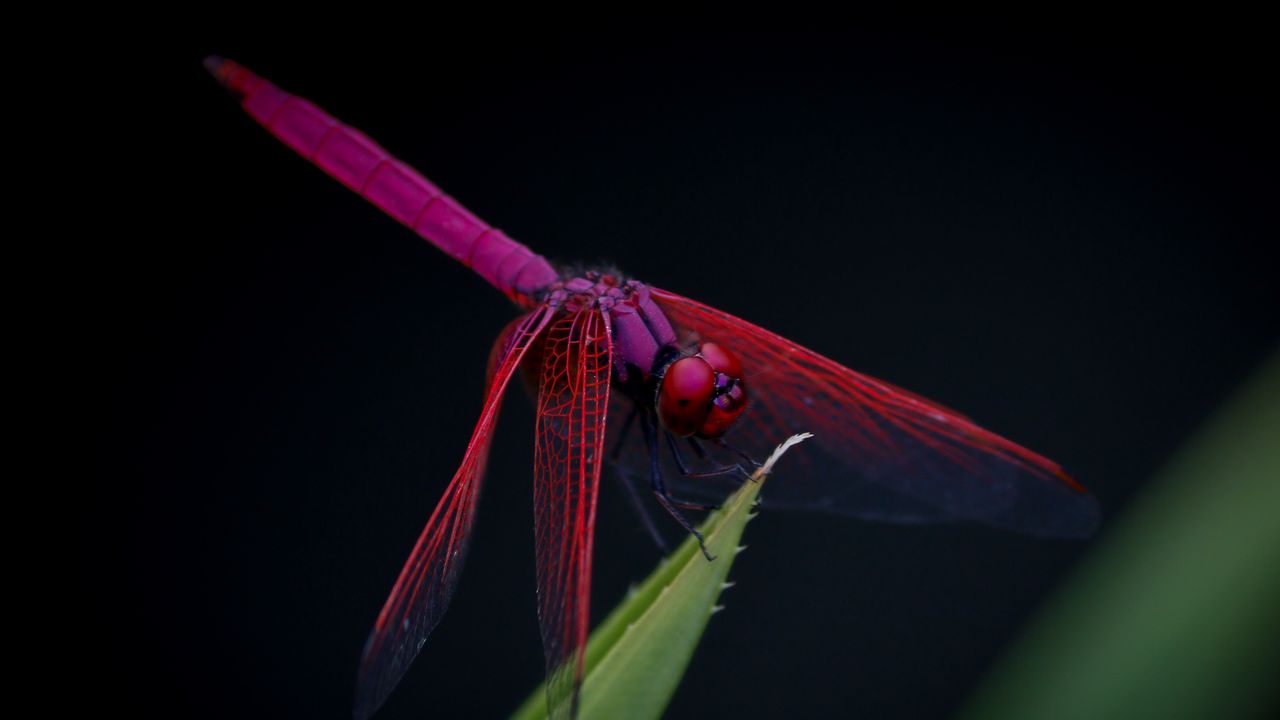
642 337
694 393
594 289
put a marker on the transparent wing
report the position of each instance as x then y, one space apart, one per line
879 452
573 397
426 583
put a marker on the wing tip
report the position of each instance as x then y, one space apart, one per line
1081 516
1069 481
371 692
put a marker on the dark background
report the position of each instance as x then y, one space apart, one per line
1063 233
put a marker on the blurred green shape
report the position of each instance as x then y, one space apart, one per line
1177 612
636 657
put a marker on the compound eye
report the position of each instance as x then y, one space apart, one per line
729 402
721 359
685 396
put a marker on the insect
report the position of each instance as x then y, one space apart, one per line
691 394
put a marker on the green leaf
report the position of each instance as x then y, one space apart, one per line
1177 612
636 657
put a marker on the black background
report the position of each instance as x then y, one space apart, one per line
1060 232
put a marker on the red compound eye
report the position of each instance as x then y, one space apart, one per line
728 404
685 396
730 396
721 360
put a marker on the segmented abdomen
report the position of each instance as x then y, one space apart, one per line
358 162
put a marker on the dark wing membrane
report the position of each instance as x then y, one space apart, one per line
573 397
879 452
425 586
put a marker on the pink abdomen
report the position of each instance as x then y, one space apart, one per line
362 165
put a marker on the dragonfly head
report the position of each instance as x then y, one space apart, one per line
702 394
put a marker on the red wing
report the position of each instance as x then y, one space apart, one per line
879 452
425 586
573 397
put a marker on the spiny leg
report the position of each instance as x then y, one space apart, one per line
721 442
641 509
660 488
717 472
625 479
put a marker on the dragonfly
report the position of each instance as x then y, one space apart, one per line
676 395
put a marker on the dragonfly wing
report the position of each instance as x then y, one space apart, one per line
880 452
426 583
629 458
573 400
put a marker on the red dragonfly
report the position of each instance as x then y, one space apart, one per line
701 393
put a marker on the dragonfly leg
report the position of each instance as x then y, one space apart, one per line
628 484
720 441
688 505
660 487
715 472
643 511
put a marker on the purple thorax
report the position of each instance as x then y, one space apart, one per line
640 329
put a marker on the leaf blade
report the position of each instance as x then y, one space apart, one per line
1173 614
637 655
